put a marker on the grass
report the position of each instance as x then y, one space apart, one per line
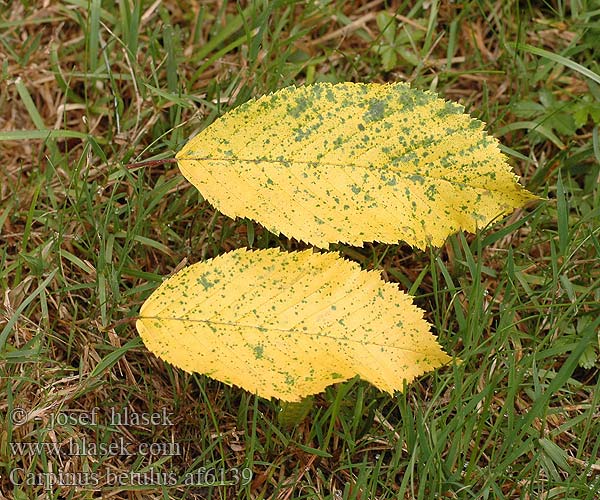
89 86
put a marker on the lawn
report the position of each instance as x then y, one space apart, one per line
86 411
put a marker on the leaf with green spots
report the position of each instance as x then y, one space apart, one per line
353 162
288 324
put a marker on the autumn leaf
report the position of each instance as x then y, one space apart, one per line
288 324
352 163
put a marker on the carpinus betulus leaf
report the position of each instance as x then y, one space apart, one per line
353 162
288 324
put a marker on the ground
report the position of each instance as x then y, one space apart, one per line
89 87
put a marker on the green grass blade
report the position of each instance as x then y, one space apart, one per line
17 314
588 73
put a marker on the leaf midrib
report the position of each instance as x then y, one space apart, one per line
282 330
316 164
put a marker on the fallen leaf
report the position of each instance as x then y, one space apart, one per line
288 324
353 162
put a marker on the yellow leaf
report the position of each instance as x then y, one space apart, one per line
352 163
288 324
